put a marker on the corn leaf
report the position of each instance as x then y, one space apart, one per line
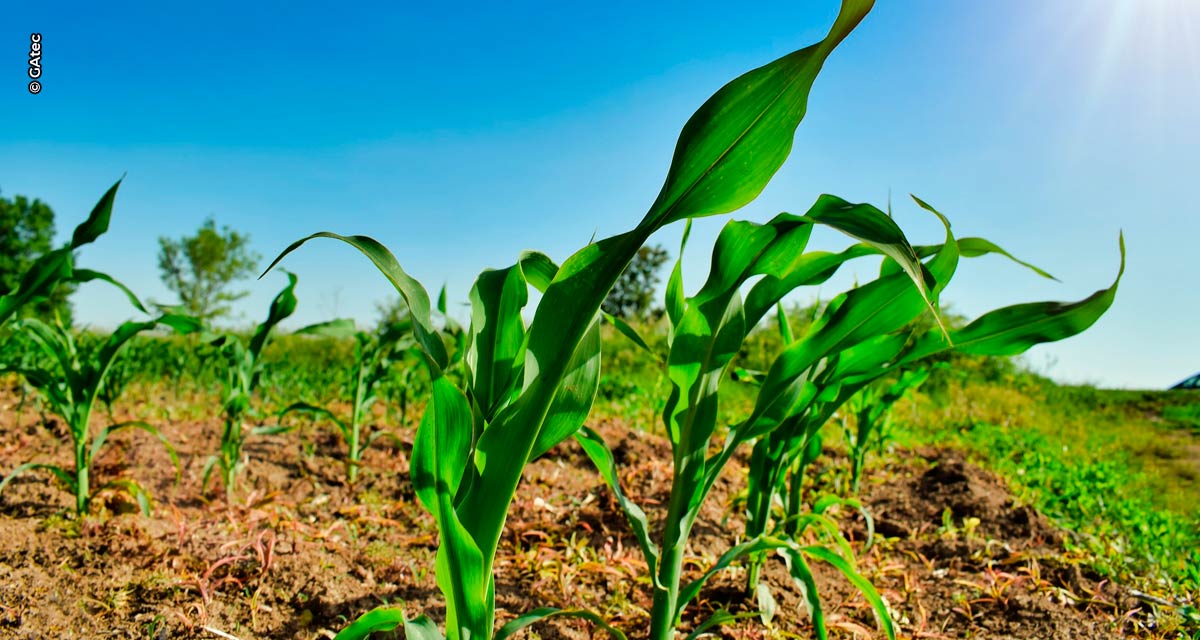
537 615
739 137
63 475
601 456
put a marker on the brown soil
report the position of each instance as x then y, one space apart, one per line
300 552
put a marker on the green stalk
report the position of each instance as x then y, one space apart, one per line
355 454
666 598
792 512
83 463
484 509
82 469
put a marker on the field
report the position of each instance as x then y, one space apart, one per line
981 529
583 452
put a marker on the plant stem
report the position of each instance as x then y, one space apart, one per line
670 566
664 614
82 484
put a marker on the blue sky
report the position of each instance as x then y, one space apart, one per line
460 137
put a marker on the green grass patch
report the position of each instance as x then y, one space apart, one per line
1109 466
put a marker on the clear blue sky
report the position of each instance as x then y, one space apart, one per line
459 138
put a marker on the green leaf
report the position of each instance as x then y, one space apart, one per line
882 617
271 430
87 275
598 452
389 618
282 306
496 338
575 395
542 613
874 227
97 222
338 328
803 577
762 543
181 324
860 315
413 293
718 618
37 283
629 332
739 137
96 369
538 268
975 247
304 407
385 435
1012 330
442 445
62 474
785 327
440 457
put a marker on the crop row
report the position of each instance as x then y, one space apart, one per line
502 391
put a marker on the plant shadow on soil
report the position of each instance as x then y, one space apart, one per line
300 553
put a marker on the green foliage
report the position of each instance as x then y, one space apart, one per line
374 358
28 233
56 268
710 328
70 385
825 372
633 294
70 377
200 269
1187 416
872 411
243 372
1092 487
527 388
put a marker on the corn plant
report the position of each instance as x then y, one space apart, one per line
374 357
70 377
70 388
528 388
709 328
872 411
836 375
243 371
58 266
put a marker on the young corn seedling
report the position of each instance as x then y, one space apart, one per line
243 370
70 377
528 388
374 358
70 387
872 411
709 328
839 374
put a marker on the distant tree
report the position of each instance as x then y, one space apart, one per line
27 232
201 268
632 296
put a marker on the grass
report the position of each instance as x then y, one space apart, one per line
1112 467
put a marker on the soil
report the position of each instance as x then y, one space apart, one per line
298 552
